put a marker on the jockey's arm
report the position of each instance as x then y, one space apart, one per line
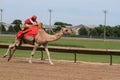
28 25
39 24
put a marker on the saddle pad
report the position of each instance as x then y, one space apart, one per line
28 32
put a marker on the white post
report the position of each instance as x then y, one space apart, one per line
105 11
1 10
50 11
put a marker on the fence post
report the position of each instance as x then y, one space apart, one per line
110 58
42 55
75 57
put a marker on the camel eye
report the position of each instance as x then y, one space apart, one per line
66 30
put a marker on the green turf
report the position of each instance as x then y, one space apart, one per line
7 39
88 43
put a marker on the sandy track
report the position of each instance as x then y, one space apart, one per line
20 69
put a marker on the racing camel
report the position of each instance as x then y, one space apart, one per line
41 38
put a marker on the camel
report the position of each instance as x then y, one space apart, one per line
42 38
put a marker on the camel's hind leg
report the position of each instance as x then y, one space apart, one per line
11 49
11 53
8 50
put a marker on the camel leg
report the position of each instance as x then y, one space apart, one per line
12 48
8 50
33 52
17 42
11 53
48 54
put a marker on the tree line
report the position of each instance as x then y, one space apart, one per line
98 31
11 28
15 27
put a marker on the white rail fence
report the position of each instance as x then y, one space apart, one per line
71 50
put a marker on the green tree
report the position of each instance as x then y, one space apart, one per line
17 23
93 32
83 31
109 31
11 29
2 28
100 30
62 24
116 31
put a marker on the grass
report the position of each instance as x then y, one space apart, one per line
100 44
81 43
70 43
7 39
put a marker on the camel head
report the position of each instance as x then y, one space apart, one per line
67 31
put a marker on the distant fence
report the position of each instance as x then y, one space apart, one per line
72 50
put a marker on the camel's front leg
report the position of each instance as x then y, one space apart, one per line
33 52
48 54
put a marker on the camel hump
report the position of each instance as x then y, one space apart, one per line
40 24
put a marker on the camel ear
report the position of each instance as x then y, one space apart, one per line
62 29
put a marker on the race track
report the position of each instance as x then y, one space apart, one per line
20 69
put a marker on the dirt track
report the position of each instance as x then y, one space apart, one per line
20 69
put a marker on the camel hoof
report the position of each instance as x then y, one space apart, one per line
30 61
4 56
51 64
8 60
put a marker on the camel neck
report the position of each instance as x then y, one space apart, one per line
55 37
59 34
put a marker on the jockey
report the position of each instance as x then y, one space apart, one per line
32 21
